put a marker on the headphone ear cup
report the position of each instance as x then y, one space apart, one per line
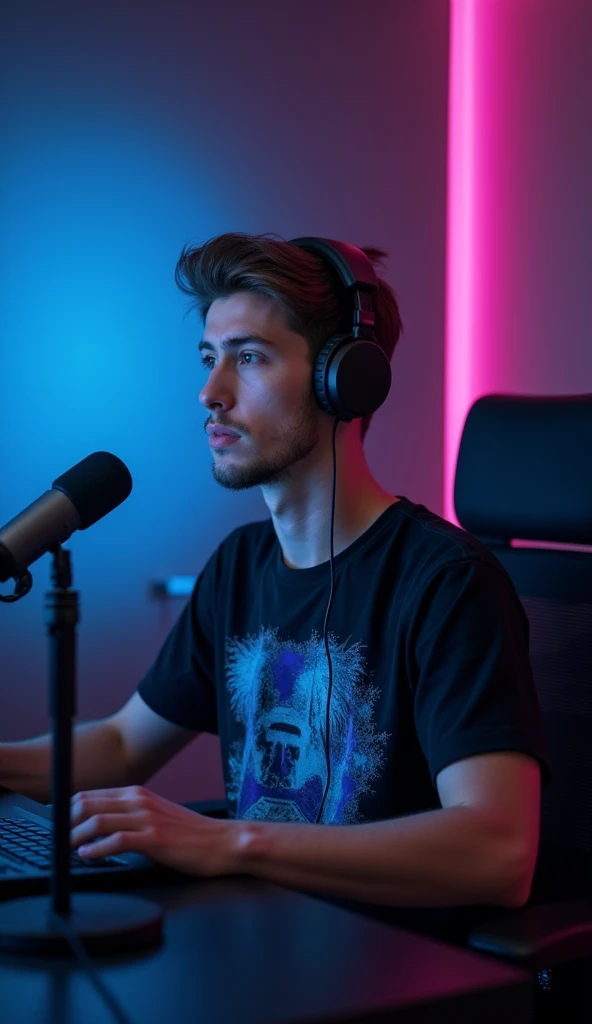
351 378
320 372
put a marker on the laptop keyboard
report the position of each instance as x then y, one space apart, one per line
29 843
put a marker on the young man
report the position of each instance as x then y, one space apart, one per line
435 740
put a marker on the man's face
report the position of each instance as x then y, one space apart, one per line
262 391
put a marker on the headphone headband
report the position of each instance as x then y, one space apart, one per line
352 265
356 273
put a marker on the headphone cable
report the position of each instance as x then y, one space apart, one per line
327 718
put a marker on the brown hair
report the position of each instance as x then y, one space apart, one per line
303 284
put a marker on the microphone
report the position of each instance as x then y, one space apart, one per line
77 499
91 922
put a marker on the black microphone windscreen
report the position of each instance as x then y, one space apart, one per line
95 485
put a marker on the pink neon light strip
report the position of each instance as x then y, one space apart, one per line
460 242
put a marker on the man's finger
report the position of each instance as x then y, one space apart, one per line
119 842
99 792
116 793
104 825
93 803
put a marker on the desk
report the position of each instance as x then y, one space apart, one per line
240 950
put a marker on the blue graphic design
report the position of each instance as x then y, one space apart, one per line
278 692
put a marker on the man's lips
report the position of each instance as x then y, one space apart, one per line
217 431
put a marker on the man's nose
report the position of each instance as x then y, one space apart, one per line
217 392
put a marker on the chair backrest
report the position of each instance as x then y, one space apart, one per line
524 474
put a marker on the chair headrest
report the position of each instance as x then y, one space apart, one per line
524 469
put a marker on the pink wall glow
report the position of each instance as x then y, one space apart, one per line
518 317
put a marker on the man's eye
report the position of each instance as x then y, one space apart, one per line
205 360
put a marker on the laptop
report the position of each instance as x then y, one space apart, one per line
26 842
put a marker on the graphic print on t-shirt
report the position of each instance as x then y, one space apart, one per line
278 692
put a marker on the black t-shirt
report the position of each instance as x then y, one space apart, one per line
430 664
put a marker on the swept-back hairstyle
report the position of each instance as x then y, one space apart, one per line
303 284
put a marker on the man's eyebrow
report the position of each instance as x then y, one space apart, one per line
235 342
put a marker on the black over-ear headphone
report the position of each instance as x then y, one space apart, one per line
352 374
351 379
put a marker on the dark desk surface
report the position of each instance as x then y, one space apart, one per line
239 950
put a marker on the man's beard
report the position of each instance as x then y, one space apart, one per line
292 445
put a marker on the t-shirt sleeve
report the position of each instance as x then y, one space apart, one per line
180 684
473 686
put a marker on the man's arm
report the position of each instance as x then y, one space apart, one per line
125 749
479 847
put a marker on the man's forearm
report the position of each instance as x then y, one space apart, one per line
446 857
98 761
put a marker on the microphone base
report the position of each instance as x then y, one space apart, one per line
106 925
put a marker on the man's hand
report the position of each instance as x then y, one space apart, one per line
135 819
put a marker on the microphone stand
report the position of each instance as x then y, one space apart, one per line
106 924
61 608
